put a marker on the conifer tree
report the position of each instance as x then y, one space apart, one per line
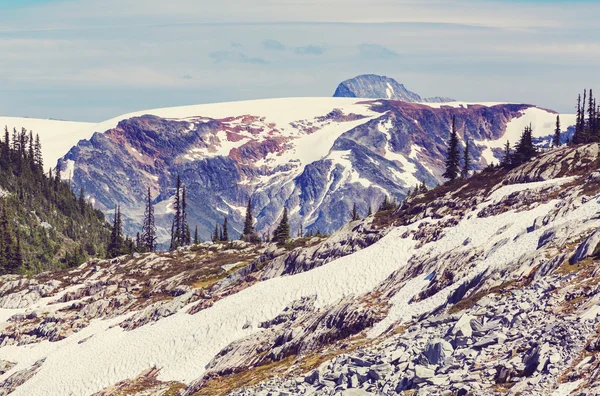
556 138
524 149
466 166
215 236
116 245
282 233
148 237
249 222
355 215
196 240
370 211
38 152
577 136
176 227
225 234
185 228
452 156
507 159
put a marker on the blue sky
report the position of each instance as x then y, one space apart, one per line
91 60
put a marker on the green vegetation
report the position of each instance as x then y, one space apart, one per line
43 224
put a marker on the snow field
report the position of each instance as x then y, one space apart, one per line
181 345
499 249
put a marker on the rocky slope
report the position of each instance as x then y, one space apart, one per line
489 286
317 157
381 87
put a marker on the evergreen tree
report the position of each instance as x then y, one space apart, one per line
452 156
38 153
524 150
225 233
355 215
507 159
249 222
466 166
282 233
556 138
215 236
577 137
196 240
176 227
387 204
185 228
370 211
591 116
148 237
116 246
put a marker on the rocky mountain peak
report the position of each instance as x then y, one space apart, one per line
381 87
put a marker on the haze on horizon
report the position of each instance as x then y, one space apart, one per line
90 60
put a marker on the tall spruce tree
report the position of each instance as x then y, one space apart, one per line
249 222
466 165
452 156
215 235
116 246
225 233
282 233
507 159
196 240
354 213
148 237
185 228
176 226
524 150
556 138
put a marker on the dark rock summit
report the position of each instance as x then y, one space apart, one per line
381 87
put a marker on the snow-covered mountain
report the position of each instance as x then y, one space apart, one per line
315 156
381 87
488 286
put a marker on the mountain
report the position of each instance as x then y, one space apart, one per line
315 156
380 87
56 136
487 286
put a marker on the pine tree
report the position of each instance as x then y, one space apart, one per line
185 228
370 211
38 152
215 234
524 149
196 240
577 137
249 222
148 238
176 227
355 215
116 246
507 159
466 166
556 138
225 233
283 230
452 156
591 109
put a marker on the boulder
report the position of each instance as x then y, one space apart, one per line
463 326
438 351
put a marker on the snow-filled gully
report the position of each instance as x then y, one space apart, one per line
182 344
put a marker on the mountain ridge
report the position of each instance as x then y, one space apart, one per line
343 151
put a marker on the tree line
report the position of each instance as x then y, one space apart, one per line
43 224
